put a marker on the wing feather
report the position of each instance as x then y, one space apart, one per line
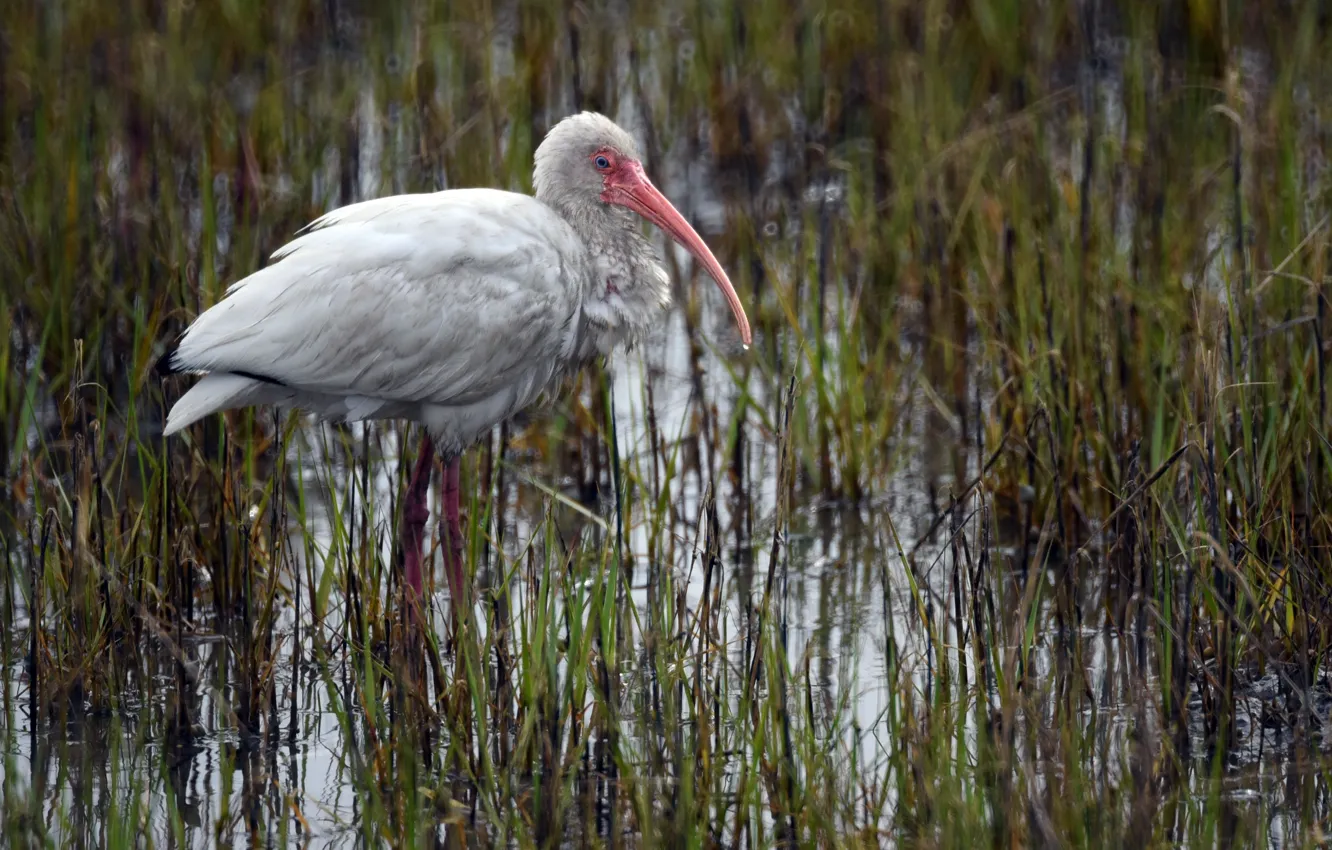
437 299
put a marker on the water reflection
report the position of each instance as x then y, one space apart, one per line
873 592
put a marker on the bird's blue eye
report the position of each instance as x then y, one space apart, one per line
602 162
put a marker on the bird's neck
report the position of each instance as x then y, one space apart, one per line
629 290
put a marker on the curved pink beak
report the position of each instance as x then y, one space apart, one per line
629 187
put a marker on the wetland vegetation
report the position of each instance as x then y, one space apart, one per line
1009 530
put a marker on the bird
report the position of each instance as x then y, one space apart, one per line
454 310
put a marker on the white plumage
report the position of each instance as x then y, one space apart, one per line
455 309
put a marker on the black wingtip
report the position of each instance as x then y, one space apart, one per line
166 364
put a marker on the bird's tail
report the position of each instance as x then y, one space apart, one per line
220 391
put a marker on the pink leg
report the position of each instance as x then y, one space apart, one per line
455 542
415 511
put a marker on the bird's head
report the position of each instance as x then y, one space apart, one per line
587 161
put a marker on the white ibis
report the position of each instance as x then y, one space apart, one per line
454 309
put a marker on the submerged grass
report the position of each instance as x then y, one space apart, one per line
1009 530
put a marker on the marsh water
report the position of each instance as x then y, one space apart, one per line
895 527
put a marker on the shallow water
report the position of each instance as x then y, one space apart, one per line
875 596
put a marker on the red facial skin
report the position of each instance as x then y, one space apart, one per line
627 186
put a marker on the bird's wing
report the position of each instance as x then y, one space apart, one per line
441 298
